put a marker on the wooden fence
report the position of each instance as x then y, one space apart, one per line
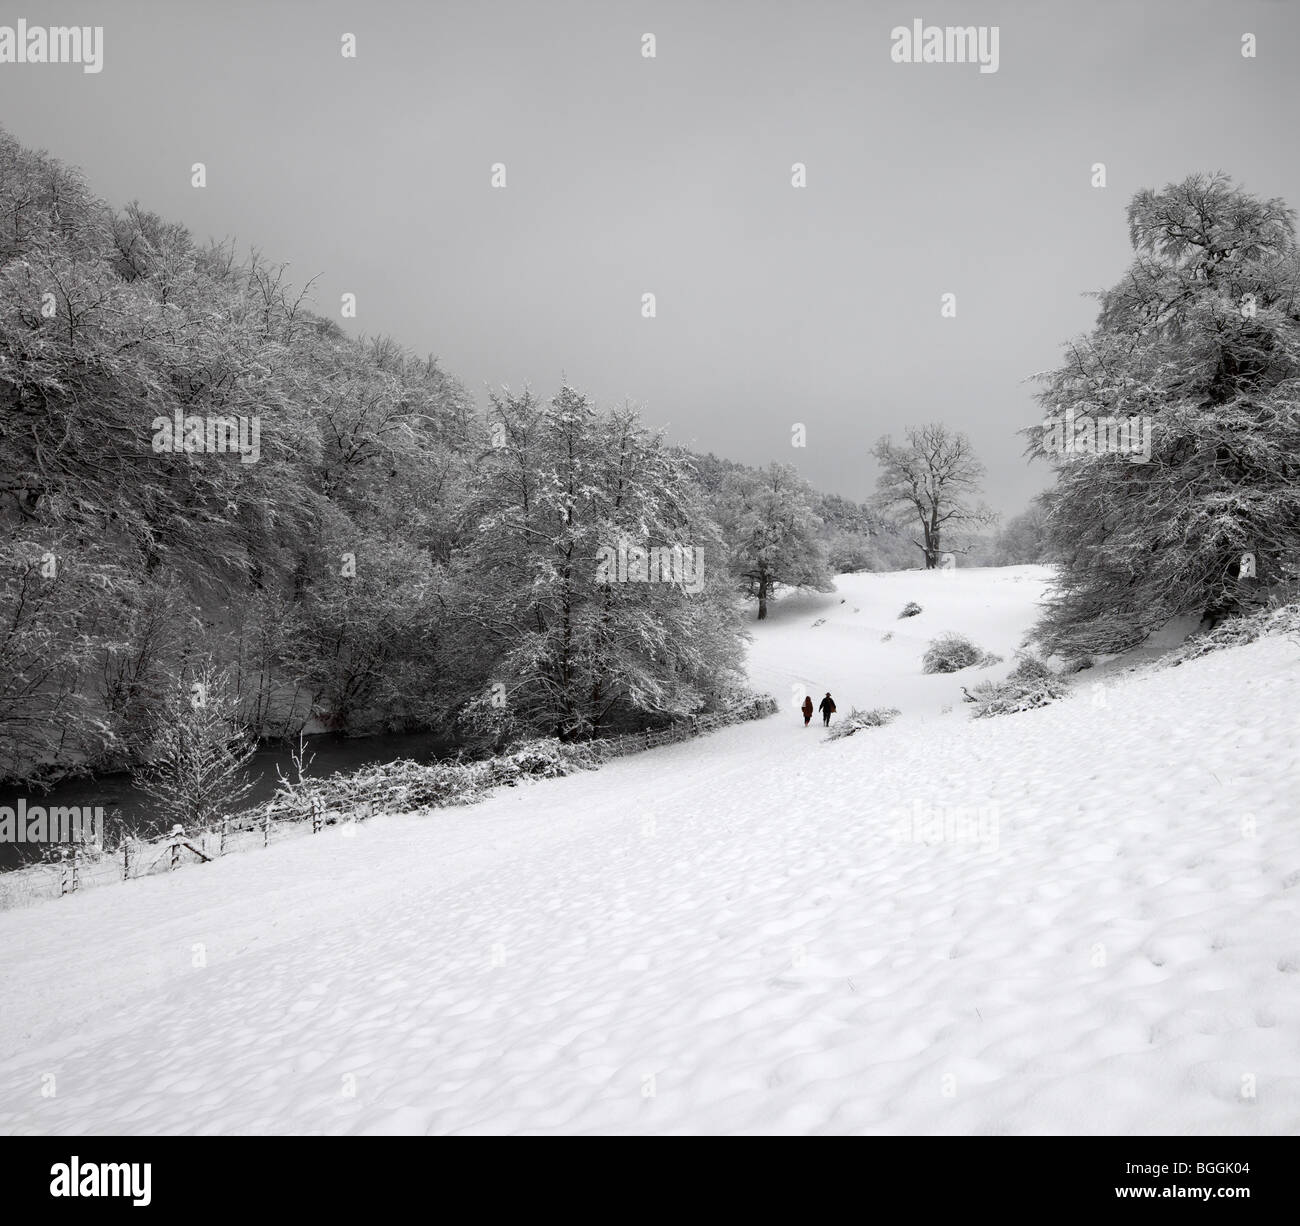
74 867
681 730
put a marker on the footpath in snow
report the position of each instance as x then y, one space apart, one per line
756 931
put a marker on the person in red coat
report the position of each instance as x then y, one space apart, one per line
807 709
827 708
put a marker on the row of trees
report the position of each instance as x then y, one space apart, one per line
123 564
389 559
394 559
781 533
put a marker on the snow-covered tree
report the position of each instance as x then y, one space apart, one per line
1023 539
197 768
927 483
1198 346
567 617
772 533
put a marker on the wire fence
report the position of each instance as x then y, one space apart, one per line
71 867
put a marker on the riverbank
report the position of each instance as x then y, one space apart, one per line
344 799
130 812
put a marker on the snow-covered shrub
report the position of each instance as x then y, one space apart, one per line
990 658
950 653
1008 697
544 759
855 719
404 785
889 634
910 609
1237 630
1028 668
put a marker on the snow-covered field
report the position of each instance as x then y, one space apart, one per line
730 935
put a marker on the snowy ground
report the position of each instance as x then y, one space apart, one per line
729 935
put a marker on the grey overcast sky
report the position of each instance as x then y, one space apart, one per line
672 175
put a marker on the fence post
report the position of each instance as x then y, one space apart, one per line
176 847
315 815
266 827
63 871
126 857
225 832
74 868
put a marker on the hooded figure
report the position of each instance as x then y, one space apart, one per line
827 708
807 709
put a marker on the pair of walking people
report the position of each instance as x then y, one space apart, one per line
826 707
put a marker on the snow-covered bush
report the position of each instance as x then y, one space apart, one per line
1028 668
856 719
543 759
910 609
950 653
1284 620
990 658
404 785
1008 697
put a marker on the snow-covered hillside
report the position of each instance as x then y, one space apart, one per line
1079 919
848 654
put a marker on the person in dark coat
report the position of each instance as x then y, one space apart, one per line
827 708
807 709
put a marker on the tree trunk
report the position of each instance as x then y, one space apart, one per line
762 599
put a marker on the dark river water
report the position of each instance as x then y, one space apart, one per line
126 806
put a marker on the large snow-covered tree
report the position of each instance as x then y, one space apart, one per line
1201 337
927 484
577 646
772 533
